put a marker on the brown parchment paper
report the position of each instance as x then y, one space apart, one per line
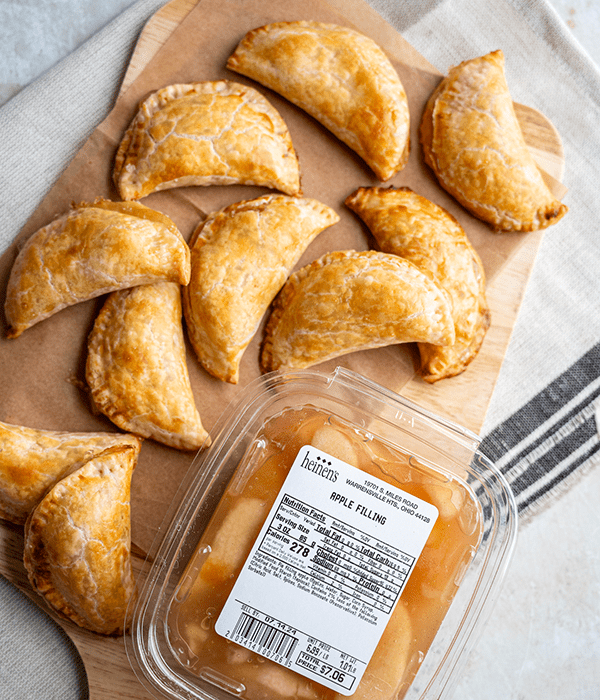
42 381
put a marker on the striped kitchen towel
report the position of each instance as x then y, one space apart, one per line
553 439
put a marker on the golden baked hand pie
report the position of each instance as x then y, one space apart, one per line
136 366
91 250
341 78
78 543
347 301
407 224
241 257
32 461
473 142
208 133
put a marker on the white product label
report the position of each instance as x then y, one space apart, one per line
326 570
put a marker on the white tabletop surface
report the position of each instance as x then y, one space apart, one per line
543 639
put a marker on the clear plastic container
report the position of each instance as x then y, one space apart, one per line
336 540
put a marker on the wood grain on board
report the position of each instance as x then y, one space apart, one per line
465 398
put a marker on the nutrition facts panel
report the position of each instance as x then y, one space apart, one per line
337 555
327 570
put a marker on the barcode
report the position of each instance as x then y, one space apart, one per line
265 636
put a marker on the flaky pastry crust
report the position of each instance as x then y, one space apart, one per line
406 224
77 543
353 300
473 142
32 461
93 249
241 257
340 77
206 133
136 366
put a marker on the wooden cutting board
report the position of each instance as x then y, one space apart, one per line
465 399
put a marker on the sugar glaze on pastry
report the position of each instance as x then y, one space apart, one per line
136 366
33 460
353 300
473 142
340 77
93 249
406 224
77 546
206 133
241 257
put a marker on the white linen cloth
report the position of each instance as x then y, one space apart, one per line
540 428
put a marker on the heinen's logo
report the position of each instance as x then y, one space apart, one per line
320 466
